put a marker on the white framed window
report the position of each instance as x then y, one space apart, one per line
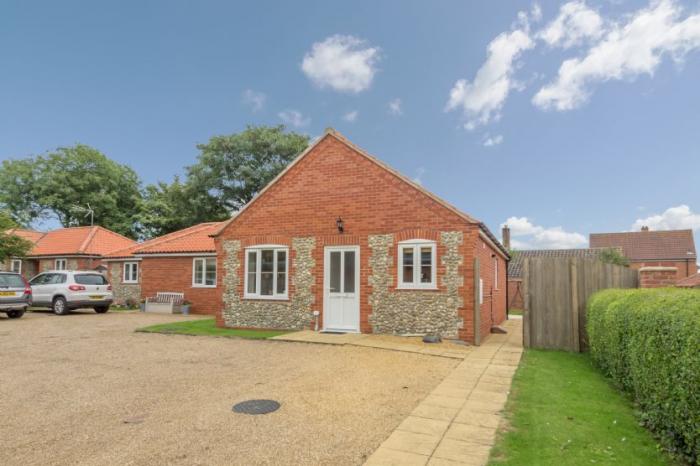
481 291
60 264
16 266
495 273
131 272
266 272
204 272
417 264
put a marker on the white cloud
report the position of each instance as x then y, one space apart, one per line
294 118
256 100
575 24
493 140
395 107
538 237
350 117
342 63
626 51
674 218
418 179
482 99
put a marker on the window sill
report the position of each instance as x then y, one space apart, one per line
129 283
266 298
417 288
203 286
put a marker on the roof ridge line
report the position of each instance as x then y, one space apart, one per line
88 239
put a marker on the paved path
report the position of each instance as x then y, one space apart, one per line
445 349
456 423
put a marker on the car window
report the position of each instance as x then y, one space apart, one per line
90 279
11 281
39 279
57 279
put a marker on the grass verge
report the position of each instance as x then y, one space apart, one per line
208 327
562 411
515 312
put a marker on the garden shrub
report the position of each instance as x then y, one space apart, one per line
648 342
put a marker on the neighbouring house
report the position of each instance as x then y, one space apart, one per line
74 248
341 240
662 257
183 262
515 268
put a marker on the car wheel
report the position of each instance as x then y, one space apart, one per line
60 306
15 314
102 309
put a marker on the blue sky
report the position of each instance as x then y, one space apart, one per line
560 118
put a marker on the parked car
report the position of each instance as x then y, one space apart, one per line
15 294
64 290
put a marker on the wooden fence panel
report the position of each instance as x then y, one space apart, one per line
555 294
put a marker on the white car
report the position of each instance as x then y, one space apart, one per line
63 290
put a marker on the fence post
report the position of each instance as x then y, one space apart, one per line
526 303
576 343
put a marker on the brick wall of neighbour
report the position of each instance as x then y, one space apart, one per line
685 268
335 181
657 277
493 307
29 267
72 263
175 274
123 292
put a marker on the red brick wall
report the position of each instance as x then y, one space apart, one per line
657 277
334 181
493 308
175 274
685 268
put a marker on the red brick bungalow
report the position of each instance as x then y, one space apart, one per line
74 248
183 261
341 237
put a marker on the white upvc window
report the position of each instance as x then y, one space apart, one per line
131 272
495 273
16 266
60 264
266 272
204 272
481 291
417 264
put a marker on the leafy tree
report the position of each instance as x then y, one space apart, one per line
11 245
613 256
171 207
233 168
62 183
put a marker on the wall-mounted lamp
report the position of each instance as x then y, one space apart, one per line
339 224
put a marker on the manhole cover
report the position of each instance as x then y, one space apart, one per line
256 407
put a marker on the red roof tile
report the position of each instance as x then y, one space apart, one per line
649 245
29 235
95 240
193 239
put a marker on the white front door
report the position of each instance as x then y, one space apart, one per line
341 303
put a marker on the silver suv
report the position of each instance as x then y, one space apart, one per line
63 290
15 294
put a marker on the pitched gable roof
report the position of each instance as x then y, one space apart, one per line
189 240
515 266
330 132
649 245
95 240
692 281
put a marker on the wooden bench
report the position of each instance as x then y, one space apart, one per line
165 302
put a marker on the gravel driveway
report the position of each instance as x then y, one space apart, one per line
86 389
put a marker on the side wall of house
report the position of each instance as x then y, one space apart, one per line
72 263
685 268
493 306
175 274
123 292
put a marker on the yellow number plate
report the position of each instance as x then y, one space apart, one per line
95 297
7 293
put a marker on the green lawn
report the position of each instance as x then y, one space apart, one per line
208 327
515 312
562 411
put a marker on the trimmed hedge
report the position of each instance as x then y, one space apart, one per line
648 342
